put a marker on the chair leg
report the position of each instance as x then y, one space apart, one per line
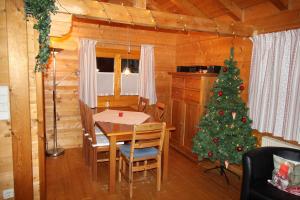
145 172
124 166
83 146
158 174
94 164
120 168
130 179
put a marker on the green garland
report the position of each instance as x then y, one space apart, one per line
41 11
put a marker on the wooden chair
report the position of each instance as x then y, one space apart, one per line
159 112
147 150
143 104
98 143
85 148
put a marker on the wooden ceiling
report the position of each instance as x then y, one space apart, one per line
266 15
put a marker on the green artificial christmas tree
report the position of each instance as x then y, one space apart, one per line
224 131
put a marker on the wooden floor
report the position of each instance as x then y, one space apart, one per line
69 178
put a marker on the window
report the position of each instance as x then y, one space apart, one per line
129 82
105 76
112 82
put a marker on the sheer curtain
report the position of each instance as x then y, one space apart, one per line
147 74
88 72
274 92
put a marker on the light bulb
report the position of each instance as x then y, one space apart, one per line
126 71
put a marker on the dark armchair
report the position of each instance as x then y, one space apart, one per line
257 169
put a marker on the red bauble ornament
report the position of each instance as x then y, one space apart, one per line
239 148
221 112
220 93
216 140
242 87
210 154
225 69
244 119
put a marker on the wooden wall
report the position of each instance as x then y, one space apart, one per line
6 164
69 127
19 171
208 49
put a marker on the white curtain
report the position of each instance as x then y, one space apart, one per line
274 93
147 74
88 72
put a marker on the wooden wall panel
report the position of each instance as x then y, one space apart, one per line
6 163
18 60
69 125
214 52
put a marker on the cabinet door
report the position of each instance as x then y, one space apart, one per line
177 121
192 115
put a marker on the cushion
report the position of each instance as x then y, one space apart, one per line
102 140
280 165
138 153
286 175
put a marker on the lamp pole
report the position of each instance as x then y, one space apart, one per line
55 151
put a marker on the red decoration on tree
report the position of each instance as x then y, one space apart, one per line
221 112
239 148
225 69
244 119
210 154
220 93
242 87
216 140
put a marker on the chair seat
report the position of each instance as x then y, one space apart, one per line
138 153
102 141
98 131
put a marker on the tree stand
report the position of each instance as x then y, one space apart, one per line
223 170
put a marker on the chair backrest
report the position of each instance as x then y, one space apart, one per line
143 104
90 123
159 111
82 115
148 135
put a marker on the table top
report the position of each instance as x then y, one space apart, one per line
116 129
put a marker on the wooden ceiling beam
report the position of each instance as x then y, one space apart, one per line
285 20
236 12
187 6
140 4
278 4
134 16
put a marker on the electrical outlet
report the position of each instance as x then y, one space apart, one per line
8 193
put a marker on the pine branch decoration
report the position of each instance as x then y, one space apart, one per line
41 11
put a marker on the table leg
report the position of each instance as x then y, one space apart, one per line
112 163
165 157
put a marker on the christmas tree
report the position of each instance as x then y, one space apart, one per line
224 131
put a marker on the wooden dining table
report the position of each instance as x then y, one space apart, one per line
116 132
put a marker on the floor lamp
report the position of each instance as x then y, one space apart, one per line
55 151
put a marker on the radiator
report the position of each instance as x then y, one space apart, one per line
267 141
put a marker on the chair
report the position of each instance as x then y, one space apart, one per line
84 132
143 104
257 169
97 143
150 137
159 111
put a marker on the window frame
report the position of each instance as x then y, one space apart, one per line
118 54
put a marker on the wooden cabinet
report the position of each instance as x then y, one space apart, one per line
190 93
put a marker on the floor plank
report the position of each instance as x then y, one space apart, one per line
69 178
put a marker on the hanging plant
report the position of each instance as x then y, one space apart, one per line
41 11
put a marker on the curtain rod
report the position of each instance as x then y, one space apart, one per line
117 43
